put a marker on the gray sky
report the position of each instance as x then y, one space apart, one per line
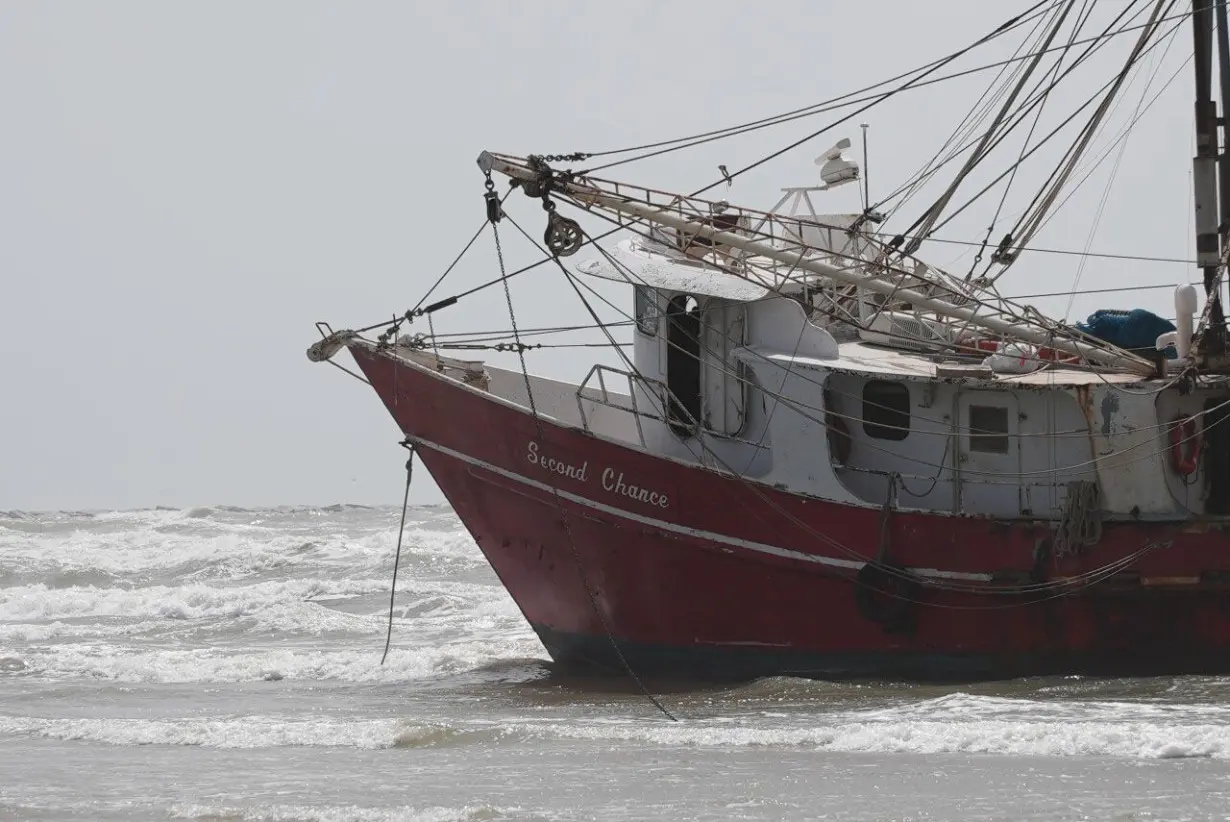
186 187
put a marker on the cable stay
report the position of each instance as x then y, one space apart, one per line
1028 227
932 214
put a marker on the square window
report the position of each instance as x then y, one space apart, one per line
886 410
988 429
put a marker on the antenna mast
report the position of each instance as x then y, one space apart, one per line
866 171
1212 200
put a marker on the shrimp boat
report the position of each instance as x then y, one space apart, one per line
821 455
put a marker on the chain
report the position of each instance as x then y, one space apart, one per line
504 346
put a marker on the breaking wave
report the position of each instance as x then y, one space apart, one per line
1023 729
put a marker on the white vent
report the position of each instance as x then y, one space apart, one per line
896 329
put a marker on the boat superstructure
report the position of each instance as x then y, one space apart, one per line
822 455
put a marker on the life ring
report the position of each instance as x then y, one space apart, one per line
839 439
886 594
1183 432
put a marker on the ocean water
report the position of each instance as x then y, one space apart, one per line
224 664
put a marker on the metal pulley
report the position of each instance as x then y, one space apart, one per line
494 208
563 236
494 211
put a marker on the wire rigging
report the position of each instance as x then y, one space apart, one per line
1028 227
1035 102
827 106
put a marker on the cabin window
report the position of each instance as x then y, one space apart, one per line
646 310
988 429
886 410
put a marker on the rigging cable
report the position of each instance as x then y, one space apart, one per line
820 108
1111 147
1110 182
1084 18
1025 229
932 214
1050 135
972 120
453 264
1038 99
529 392
1094 43
908 84
679 143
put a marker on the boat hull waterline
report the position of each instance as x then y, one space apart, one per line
698 574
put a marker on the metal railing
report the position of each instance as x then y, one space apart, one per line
652 387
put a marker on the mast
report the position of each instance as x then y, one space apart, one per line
1212 201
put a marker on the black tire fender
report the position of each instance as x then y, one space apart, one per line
888 595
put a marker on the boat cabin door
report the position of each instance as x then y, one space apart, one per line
683 364
707 384
988 453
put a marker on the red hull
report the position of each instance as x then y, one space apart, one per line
697 573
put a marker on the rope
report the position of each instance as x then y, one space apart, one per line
451 266
1080 524
405 503
529 393
968 125
886 516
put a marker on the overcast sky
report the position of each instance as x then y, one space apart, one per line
186 187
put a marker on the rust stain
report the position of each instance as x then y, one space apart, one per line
1084 398
1110 404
